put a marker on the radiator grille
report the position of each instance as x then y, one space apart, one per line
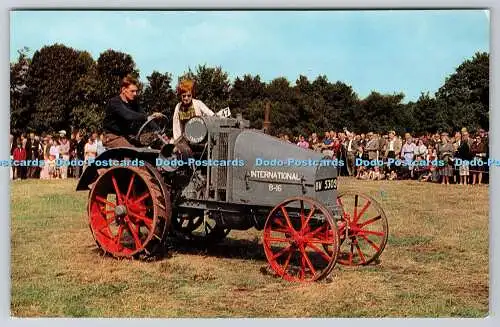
223 155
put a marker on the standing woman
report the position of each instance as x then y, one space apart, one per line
445 151
90 151
188 108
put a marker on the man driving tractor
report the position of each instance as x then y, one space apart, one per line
124 115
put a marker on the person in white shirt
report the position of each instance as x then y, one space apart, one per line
420 150
90 149
187 108
54 149
53 156
98 140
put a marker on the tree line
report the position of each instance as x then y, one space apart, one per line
63 88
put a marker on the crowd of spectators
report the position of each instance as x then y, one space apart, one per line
53 156
365 156
461 158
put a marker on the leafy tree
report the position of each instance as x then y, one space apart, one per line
61 87
464 97
111 67
19 93
53 73
212 86
245 91
158 95
343 102
425 114
377 113
88 113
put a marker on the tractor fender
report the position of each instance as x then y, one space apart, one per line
90 174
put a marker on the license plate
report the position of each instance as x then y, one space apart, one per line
325 184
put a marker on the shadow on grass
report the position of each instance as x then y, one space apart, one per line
228 248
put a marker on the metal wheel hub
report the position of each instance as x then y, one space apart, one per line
120 210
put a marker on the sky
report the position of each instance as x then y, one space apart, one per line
388 51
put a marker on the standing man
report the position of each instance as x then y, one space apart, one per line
392 150
352 147
123 115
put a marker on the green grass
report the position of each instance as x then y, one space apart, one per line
435 264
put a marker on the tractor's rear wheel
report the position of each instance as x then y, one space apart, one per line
301 240
128 212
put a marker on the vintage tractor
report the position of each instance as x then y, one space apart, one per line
222 176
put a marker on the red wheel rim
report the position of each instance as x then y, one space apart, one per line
363 229
300 240
124 211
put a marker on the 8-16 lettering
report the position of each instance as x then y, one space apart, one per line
275 188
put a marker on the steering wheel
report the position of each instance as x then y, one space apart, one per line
152 130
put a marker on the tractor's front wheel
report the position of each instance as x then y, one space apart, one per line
364 229
301 240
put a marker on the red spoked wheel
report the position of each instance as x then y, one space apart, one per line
301 240
363 229
128 213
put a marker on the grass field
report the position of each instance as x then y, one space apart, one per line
435 264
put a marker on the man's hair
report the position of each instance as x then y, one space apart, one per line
128 80
186 85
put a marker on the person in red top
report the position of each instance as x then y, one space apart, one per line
19 154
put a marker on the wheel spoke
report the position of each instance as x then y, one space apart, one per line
302 218
130 186
140 199
278 239
302 271
288 221
117 189
309 263
369 232
109 221
356 218
370 242
147 221
287 261
320 252
118 236
341 204
284 231
314 232
360 253
370 221
106 213
355 207
311 213
280 253
280 224
351 254
104 201
318 241
138 244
